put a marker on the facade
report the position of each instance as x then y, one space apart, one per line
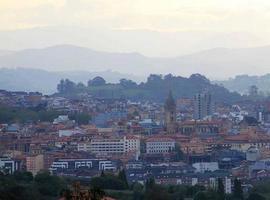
111 145
202 106
199 127
75 164
244 146
252 154
8 165
205 166
159 145
228 185
35 163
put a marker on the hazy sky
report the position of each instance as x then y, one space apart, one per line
163 15
150 27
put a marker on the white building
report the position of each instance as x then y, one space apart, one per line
8 165
61 119
159 145
111 145
253 154
202 106
205 166
228 185
73 164
194 181
69 132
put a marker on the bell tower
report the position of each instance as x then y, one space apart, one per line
170 114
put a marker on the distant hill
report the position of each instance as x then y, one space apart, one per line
5 52
212 63
23 79
155 89
242 83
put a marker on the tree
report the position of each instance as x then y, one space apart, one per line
220 189
156 192
192 190
253 91
237 189
49 185
255 196
66 86
200 196
179 155
108 181
80 118
96 193
26 177
97 81
102 174
61 86
150 183
137 191
127 83
122 177
80 86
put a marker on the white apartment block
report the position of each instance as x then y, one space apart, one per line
111 145
205 166
228 185
159 145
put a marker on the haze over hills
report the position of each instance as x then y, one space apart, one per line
241 83
149 42
213 63
25 79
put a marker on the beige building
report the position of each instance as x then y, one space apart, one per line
111 145
159 145
35 163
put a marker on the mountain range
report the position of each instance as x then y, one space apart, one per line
242 83
215 63
149 42
41 69
30 80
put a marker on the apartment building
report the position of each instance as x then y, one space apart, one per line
111 145
159 145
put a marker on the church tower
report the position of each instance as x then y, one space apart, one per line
170 114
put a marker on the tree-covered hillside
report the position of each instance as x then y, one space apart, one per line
156 88
242 83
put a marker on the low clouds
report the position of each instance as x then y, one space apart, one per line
151 27
227 15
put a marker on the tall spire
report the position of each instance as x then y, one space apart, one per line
170 114
170 103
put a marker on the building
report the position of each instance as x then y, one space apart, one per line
253 154
64 165
35 163
202 106
202 127
228 185
205 166
111 145
9 165
170 114
159 145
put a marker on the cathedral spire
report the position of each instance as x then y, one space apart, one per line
170 103
170 114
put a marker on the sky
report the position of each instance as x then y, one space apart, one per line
162 15
163 28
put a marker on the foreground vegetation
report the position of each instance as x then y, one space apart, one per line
24 186
23 115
